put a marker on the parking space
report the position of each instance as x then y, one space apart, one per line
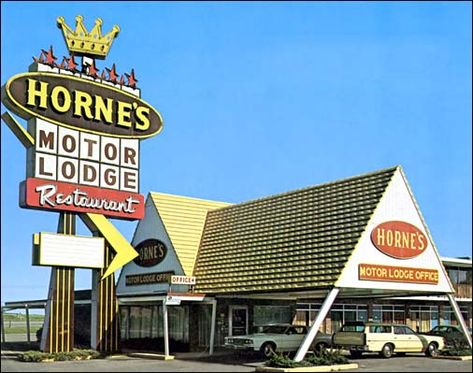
223 361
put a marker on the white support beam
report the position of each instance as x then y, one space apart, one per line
212 327
316 325
166 328
459 317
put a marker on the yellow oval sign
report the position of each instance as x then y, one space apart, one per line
81 104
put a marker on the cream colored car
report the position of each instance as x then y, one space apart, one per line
386 339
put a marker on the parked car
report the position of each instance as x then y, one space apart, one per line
452 334
276 337
359 337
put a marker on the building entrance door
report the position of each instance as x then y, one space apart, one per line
238 320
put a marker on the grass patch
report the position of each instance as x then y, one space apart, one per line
38 356
21 329
325 357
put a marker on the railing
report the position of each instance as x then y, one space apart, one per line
462 290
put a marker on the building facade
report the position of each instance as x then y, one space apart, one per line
275 259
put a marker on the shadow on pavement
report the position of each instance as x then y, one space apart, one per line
20 346
222 357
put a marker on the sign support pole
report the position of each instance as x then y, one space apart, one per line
3 328
58 329
166 328
27 312
212 327
105 331
459 317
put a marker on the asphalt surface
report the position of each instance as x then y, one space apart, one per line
228 363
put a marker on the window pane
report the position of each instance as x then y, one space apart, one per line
135 322
264 315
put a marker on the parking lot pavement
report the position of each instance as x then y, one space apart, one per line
409 363
229 363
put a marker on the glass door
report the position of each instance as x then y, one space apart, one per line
238 320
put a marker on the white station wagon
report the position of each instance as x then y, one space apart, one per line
277 337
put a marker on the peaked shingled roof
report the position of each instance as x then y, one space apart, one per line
296 240
184 218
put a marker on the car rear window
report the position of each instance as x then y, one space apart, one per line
380 329
353 328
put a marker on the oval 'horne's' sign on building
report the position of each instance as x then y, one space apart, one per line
151 252
399 239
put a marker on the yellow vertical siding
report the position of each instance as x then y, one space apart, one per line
184 219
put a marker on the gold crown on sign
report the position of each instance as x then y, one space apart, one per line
92 43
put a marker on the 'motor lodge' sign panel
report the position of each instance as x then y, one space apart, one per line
81 104
85 126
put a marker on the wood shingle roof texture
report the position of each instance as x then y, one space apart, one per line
296 240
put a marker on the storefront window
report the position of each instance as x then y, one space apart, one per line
338 315
135 322
124 322
389 314
423 318
178 323
447 316
264 315
146 324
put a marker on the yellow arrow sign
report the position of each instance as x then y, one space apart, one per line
95 222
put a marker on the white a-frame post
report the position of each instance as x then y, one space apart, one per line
459 317
316 325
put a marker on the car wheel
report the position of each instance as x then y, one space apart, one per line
387 351
268 349
432 349
319 347
356 354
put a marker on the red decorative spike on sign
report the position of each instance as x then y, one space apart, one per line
122 80
50 58
131 79
71 63
112 74
63 63
93 71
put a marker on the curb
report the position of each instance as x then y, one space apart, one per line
462 358
322 368
145 355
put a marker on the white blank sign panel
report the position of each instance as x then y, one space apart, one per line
70 251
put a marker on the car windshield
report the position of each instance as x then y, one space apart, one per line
274 329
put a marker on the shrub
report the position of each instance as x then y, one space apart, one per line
33 356
455 352
283 361
37 356
325 357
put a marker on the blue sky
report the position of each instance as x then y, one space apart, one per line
263 98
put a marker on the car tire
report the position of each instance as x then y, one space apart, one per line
355 354
387 351
321 346
268 349
432 349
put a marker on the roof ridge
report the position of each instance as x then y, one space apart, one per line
187 197
359 176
